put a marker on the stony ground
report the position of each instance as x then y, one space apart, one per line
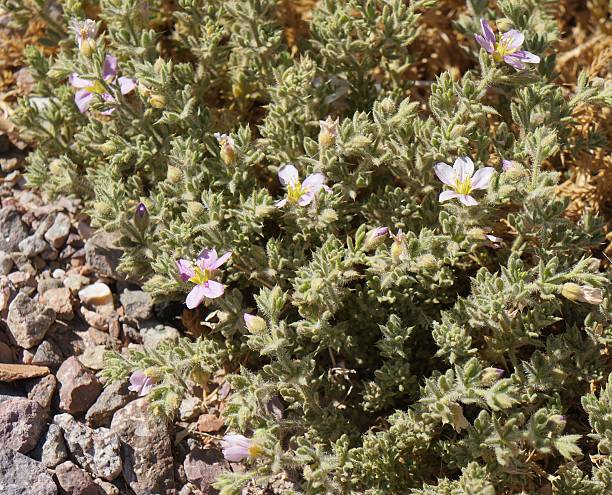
62 303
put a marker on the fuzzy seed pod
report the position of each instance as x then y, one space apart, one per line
174 174
157 101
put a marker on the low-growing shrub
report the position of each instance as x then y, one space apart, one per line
394 325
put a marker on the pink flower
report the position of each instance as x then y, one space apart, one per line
237 448
300 193
85 33
228 152
508 165
507 48
462 179
200 271
86 88
140 383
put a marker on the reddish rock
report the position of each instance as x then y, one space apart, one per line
209 423
79 387
202 467
21 424
12 372
59 300
75 481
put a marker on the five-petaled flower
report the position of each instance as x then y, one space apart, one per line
140 383
228 152
507 48
462 179
85 32
87 88
237 448
200 272
300 193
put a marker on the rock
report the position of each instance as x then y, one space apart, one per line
32 246
136 304
96 451
147 449
95 319
28 321
45 284
202 467
113 397
93 357
58 232
6 352
47 354
209 423
103 255
107 488
20 475
21 423
42 390
75 282
12 229
6 263
97 294
5 295
75 481
51 449
189 408
59 300
79 387
12 372
152 336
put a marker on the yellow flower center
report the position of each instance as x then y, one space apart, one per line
201 276
501 49
464 187
96 87
255 450
295 192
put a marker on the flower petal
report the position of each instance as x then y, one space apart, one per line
525 56
213 289
185 269
314 182
508 165
77 81
196 296
446 195
512 39
487 32
468 200
222 260
306 199
464 168
126 85
445 173
235 453
207 258
482 177
288 174
514 62
487 45
109 69
280 203
82 98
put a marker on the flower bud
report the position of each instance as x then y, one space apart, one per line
374 238
228 152
195 209
158 65
108 147
427 262
491 375
328 132
457 131
397 248
102 209
87 47
144 91
558 419
55 167
255 324
582 293
174 174
504 24
387 105
141 217
157 101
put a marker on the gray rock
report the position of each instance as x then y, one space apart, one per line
21 424
12 229
113 397
32 246
103 255
96 451
153 335
79 387
93 357
75 481
147 449
107 488
28 321
136 304
41 390
20 475
58 232
202 467
51 449
75 282
6 263
47 354
44 284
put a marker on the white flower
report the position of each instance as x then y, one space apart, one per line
462 179
300 193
